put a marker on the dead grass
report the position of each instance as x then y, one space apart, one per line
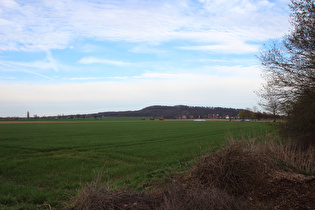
286 154
94 196
237 169
302 160
246 174
179 196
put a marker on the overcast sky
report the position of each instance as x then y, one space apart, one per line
87 56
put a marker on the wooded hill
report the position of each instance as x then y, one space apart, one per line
174 112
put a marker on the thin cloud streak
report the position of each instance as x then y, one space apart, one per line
14 68
93 60
95 78
231 48
48 63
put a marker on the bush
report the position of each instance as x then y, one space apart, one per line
237 169
300 124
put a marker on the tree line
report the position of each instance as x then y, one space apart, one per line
175 112
289 73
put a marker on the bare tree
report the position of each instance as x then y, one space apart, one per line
270 100
289 66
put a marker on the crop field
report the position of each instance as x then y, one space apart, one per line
46 163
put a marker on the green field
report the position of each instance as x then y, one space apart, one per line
45 163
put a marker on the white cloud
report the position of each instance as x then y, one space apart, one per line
7 78
44 25
144 49
5 4
163 76
93 60
95 78
53 62
86 78
87 48
245 72
229 48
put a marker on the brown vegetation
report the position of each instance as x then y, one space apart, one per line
242 175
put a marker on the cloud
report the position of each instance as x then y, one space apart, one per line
8 4
14 68
48 63
237 72
230 48
163 76
86 78
52 61
87 48
7 78
93 60
95 78
144 49
44 25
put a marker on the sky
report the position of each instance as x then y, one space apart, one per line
88 56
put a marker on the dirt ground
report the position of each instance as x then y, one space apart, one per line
287 190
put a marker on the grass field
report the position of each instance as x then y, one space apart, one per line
45 163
